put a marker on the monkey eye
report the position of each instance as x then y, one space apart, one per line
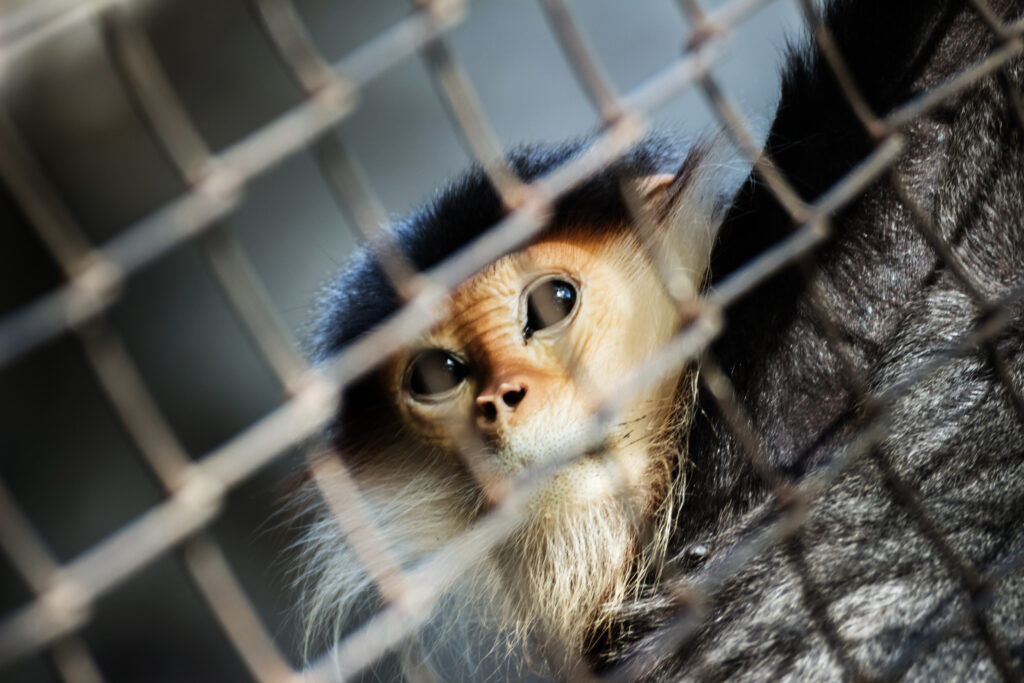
435 372
549 301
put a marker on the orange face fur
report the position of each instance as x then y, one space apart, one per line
528 397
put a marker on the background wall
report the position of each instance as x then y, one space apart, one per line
63 453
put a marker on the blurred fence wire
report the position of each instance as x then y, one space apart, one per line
96 275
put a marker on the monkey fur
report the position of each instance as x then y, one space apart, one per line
872 584
528 393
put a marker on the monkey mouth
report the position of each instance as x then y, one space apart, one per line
564 478
539 451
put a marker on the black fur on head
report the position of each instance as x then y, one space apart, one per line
361 297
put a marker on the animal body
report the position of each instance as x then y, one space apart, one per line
907 564
880 579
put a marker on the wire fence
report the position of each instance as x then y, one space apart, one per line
96 275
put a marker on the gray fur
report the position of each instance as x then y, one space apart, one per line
866 587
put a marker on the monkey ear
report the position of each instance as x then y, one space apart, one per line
659 194
654 189
682 227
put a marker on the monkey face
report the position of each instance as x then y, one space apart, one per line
530 347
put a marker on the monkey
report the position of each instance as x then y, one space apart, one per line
525 352
907 564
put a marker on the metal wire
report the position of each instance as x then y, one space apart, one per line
212 185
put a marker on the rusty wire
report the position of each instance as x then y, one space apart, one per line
213 183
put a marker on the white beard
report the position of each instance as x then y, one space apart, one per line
533 602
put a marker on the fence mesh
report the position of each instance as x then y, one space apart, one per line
97 275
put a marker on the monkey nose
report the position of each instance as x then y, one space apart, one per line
499 400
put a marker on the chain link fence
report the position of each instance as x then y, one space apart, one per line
195 490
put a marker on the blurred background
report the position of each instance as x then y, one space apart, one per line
63 453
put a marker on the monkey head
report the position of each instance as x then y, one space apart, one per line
507 383
526 353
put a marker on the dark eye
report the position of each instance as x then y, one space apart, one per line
547 303
435 372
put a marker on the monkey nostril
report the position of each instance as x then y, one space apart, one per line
488 410
514 397
504 399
